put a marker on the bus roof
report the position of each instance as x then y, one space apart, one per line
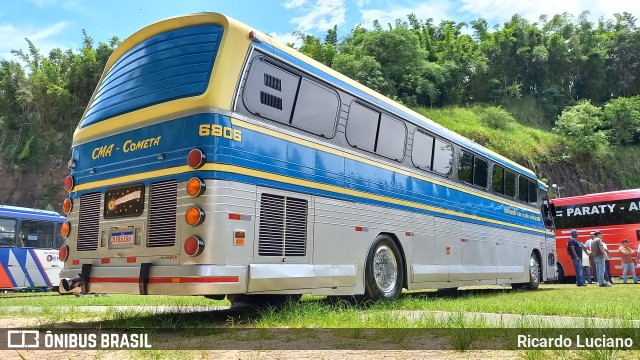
598 197
7 211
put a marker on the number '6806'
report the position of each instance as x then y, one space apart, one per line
219 130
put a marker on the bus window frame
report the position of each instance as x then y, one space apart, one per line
15 232
51 238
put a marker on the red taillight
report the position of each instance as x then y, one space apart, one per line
196 158
68 183
194 216
67 205
65 229
195 187
193 246
63 253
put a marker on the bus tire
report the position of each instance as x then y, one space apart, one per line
384 271
561 278
534 275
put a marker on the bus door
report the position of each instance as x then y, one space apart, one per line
549 256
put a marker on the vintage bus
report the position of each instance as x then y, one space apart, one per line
615 214
29 243
212 160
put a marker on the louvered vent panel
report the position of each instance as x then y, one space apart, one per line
89 222
271 100
272 82
163 203
283 226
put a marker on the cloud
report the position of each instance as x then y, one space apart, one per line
318 14
286 38
492 10
12 38
43 3
438 10
294 4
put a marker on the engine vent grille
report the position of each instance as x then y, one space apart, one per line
89 222
163 203
283 226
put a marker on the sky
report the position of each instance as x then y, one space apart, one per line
53 24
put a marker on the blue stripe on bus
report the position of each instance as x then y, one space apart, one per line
264 153
40 267
4 261
446 133
172 65
21 256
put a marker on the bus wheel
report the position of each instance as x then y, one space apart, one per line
534 275
560 272
384 271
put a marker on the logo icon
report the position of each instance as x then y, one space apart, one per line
22 339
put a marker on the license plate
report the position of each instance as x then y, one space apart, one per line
123 237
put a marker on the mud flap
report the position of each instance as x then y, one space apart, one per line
86 280
143 278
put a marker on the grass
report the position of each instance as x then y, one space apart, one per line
561 300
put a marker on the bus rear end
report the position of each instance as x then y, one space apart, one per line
140 183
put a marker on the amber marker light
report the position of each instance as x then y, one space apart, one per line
65 229
68 183
193 245
67 205
194 216
195 187
63 253
196 158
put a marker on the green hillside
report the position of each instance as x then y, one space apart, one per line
560 96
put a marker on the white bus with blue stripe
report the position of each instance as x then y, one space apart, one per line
214 161
29 243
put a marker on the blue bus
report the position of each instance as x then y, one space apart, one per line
29 243
213 160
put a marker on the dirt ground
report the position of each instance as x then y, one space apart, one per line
328 354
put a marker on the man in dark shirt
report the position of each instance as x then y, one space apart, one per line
574 250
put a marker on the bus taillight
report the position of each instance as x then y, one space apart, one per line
68 183
194 216
195 187
196 158
65 229
193 246
67 205
63 253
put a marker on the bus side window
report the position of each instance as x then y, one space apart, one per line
270 91
422 150
392 137
362 127
316 109
36 234
442 157
7 232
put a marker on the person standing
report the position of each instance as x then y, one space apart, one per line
607 262
599 255
626 256
586 264
574 250
587 245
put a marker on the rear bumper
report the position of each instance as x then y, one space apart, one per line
163 280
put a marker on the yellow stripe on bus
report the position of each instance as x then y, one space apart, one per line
293 181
